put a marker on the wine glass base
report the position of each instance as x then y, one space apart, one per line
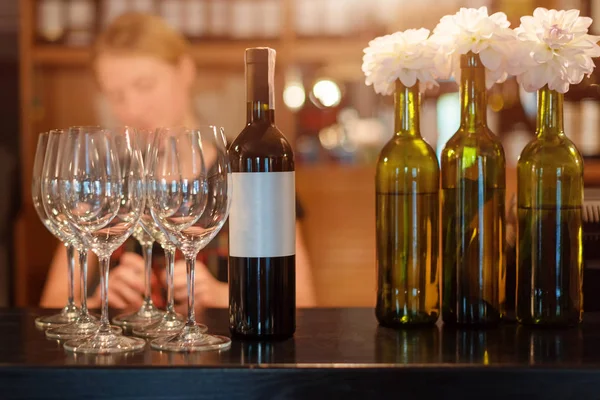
143 317
105 343
191 339
165 327
78 330
66 316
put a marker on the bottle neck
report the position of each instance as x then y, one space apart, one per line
258 111
260 89
473 93
549 113
407 102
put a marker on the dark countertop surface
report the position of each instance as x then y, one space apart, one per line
334 352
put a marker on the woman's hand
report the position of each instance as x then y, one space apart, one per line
209 292
125 284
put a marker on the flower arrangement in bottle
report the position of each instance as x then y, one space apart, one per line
474 48
553 51
407 183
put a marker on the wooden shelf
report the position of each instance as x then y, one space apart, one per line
228 52
328 49
224 53
60 55
591 172
217 53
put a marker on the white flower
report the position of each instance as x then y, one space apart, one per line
406 56
554 49
472 30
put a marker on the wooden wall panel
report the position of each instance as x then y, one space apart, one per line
34 248
339 229
67 98
62 97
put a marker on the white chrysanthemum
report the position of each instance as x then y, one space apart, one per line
406 56
473 30
554 49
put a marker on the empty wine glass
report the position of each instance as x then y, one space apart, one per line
70 312
102 193
171 322
189 192
85 324
148 313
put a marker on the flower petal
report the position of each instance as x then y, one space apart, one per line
569 18
540 76
491 58
542 53
582 24
558 84
408 77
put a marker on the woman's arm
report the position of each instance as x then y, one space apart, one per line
54 294
305 287
210 292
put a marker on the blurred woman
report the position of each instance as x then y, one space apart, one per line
146 72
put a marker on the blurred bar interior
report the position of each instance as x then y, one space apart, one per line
337 124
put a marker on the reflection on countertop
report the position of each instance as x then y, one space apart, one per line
328 337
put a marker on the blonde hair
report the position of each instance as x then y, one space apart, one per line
135 33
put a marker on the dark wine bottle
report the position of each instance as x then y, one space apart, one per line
262 220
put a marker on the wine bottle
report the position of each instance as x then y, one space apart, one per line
407 187
550 199
473 190
262 241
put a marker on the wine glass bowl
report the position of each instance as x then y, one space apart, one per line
102 194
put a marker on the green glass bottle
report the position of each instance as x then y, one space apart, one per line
549 235
473 226
407 197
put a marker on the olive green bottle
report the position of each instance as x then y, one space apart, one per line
473 226
407 189
549 235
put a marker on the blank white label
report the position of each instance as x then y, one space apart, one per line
262 218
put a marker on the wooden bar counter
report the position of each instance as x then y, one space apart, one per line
335 354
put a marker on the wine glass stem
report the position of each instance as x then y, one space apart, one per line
104 266
147 253
170 255
71 271
83 270
190 264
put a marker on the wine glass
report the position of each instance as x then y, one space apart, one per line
70 312
171 322
189 193
148 314
102 194
85 324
